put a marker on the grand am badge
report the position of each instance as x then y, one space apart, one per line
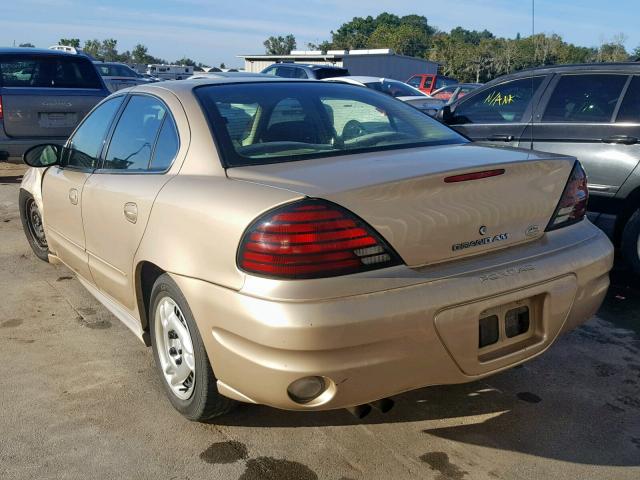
480 241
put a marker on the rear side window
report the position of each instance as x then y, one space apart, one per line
322 73
167 146
630 108
87 141
445 82
135 135
504 103
584 98
48 71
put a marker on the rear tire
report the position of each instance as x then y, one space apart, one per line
180 355
32 225
630 244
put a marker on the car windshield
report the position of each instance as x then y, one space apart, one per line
395 88
270 122
111 70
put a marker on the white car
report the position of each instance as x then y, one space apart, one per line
396 89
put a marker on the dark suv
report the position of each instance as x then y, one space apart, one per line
43 96
302 70
590 111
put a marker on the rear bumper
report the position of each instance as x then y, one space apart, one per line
381 343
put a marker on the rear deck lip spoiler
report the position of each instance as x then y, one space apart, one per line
465 177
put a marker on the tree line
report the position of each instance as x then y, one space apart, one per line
468 55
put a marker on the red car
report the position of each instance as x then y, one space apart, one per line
429 82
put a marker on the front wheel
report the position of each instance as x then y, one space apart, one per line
32 225
180 355
630 245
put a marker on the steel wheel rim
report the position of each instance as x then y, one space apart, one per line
34 221
175 348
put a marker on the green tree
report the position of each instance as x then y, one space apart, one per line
70 42
140 54
280 45
92 47
108 50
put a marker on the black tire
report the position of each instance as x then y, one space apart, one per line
205 401
32 225
630 245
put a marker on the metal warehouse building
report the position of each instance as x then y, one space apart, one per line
376 63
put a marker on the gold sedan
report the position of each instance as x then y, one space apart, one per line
312 245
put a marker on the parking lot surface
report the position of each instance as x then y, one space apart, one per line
81 399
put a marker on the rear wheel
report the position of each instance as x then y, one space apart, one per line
180 355
32 225
631 242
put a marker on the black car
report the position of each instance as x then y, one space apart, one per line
43 96
302 70
590 111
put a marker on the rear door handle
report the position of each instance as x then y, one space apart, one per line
501 138
131 212
621 139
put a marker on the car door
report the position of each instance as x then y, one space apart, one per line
63 186
578 118
499 114
118 197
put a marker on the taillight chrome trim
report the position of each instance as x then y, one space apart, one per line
265 248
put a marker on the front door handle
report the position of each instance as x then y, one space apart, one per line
73 196
501 138
131 212
621 139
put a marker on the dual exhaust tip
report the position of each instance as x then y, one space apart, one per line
383 405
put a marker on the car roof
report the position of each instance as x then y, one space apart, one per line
36 51
618 67
312 66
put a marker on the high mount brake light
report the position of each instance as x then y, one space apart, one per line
312 239
572 207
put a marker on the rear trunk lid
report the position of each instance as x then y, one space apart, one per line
404 196
47 94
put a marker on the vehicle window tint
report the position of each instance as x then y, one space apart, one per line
239 118
48 72
414 82
166 147
504 103
270 71
299 73
584 98
134 136
301 120
322 73
285 72
428 81
630 108
116 71
86 143
395 88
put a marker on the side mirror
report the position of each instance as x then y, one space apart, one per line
44 155
444 114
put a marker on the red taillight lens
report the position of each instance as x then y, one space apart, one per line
312 239
1 112
573 204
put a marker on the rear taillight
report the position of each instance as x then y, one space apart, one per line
573 204
312 239
1 112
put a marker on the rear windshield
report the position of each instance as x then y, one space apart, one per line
115 70
48 71
270 122
395 88
322 73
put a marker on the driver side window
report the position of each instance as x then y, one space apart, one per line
86 143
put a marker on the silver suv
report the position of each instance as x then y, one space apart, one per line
589 111
43 96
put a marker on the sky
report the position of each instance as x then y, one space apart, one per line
217 31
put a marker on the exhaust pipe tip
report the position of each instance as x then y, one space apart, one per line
384 405
360 411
